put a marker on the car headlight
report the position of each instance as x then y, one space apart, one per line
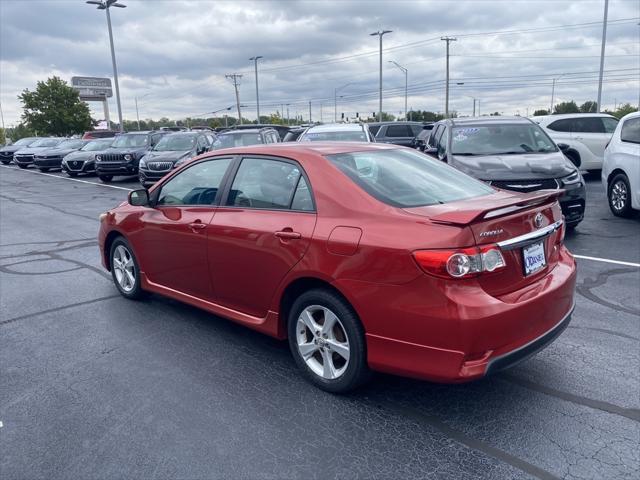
571 179
143 163
98 158
127 157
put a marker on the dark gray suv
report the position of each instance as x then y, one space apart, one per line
123 157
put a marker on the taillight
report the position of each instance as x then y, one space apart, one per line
462 263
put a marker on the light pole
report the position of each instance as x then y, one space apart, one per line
446 102
255 64
380 33
604 41
553 91
137 115
406 86
106 5
234 78
335 100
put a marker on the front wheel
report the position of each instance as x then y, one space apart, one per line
124 269
327 341
22 166
44 169
72 174
105 178
6 162
619 195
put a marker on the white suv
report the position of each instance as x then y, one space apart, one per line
621 168
586 134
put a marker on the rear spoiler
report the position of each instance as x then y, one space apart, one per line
465 216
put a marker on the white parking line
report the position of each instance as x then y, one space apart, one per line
67 178
607 260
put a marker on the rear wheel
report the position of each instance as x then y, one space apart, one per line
105 178
124 269
619 195
327 341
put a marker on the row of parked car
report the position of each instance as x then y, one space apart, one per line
510 153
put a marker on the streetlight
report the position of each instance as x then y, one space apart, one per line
106 5
380 34
406 85
255 64
137 115
335 100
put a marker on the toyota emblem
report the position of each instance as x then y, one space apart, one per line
537 220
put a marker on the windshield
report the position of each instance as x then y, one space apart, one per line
237 140
46 142
25 141
71 144
97 145
337 136
500 139
130 141
403 178
175 143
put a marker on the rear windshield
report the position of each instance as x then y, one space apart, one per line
403 178
237 140
337 136
97 145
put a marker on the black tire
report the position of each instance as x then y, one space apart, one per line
619 196
44 169
105 178
357 371
6 162
22 166
72 174
136 292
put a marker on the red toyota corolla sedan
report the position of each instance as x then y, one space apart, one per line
365 256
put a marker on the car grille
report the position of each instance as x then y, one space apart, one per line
526 185
160 166
75 164
24 158
6 155
113 158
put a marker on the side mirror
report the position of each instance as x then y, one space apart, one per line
139 198
433 151
563 147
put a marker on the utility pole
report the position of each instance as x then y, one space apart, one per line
604 41
106 6
380 33
137 114
288 121
310 121
446 101
321 117
553 91
235 79
255 64
406 85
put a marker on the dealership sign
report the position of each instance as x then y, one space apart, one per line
92 88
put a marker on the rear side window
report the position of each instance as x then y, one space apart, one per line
565 125
403 178
399 131
630 131
269 184
588 125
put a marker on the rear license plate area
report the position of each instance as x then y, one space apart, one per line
533 258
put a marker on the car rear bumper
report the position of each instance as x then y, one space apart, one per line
455 332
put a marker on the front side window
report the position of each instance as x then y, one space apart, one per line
403 178
588 125
128 141
630 131
507 139
196 185
262 183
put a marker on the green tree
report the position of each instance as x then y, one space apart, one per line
3 136
589 107
540 112
54 108
566 107
19 131
624 109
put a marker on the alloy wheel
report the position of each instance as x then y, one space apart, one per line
124 268
322 342
619 195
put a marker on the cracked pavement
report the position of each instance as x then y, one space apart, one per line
95 386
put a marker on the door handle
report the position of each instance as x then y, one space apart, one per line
288 235
197 226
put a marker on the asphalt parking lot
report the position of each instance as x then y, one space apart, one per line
95 386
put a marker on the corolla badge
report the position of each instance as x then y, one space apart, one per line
491 233
538 219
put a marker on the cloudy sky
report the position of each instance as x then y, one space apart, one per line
173 55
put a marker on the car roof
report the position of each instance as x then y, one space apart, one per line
241 131
401 122
562 116
320 148
487 120
333 127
